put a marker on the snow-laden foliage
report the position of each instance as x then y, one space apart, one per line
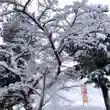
36 43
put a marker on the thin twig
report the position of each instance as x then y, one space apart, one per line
48 21
62 97
74 20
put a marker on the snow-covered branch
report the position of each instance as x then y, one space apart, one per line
43 91
6 13
42 13
32 18
11 2
13 71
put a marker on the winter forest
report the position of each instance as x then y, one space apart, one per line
45 51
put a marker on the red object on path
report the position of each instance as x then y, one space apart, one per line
84 91
84 94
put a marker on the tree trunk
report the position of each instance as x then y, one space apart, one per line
10 108
105 96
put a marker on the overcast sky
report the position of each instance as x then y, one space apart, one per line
104 2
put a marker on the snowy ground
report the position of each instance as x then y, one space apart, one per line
87 108
94 96
79 108
75 100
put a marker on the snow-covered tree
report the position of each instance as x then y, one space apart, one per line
38 42
90 48
26 39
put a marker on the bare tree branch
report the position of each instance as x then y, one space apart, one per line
62 45
56 54
58 61
43 12
62 97
47 100
48 21
32 18
74 20
69 87
25 6
34 90
43 92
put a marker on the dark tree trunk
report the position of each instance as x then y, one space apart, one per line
10 108
105 96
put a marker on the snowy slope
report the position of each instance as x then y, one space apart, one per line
86 108
94 96
75 100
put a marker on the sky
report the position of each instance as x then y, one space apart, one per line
104 2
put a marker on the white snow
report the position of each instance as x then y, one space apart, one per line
74 95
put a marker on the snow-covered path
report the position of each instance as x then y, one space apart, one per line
78 108
94 96
87 108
